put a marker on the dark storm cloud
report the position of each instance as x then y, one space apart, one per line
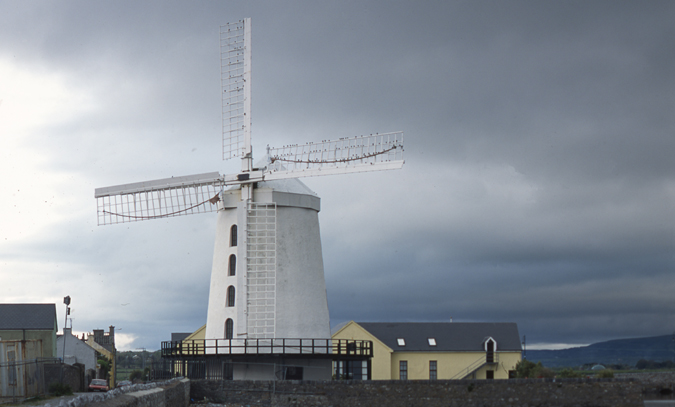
538 188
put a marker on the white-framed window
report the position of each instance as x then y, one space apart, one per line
432 341
400 341
433 370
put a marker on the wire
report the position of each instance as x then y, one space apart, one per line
273 159
212 200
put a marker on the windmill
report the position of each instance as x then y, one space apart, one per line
267 275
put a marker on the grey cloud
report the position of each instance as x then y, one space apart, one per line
538 186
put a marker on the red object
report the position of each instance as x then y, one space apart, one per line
98 385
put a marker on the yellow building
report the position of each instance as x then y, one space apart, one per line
104 343
199 334
433 350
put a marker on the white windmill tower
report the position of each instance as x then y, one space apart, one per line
267 276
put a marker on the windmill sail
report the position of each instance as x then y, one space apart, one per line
158 198
235 79
356 154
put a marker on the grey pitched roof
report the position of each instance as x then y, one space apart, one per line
179 336
27 316
450 336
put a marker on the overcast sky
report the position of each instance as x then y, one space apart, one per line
539 184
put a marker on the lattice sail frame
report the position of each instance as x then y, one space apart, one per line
162 198
235 80
363 151
261 269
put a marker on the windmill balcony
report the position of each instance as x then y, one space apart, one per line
320 348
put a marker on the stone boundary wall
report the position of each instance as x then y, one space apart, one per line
171 393
655 385
441 393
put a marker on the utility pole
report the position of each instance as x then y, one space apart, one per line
66 300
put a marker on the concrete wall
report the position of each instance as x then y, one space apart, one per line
73 376
469 393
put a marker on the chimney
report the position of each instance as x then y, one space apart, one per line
98 336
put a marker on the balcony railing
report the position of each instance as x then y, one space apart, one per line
335 348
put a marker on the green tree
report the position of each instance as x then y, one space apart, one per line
524 369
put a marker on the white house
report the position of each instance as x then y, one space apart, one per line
76 350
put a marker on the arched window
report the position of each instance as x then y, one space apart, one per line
233 235
232 269
230 296
229 328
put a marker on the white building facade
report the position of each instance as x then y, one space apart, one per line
76 351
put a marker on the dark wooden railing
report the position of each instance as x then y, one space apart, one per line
269 346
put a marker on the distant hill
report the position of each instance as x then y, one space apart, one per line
618 351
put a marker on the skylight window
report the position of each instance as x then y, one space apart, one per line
400 341
432 341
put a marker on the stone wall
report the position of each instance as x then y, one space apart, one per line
469 393
172 393
655 385
72 376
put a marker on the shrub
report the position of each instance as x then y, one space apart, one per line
540 372
605 374
135 375
568 373
59 389
526 369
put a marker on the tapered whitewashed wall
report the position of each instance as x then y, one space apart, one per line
301 309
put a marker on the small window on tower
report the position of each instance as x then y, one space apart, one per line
233 235
230 296
229 328
400 341
232 269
